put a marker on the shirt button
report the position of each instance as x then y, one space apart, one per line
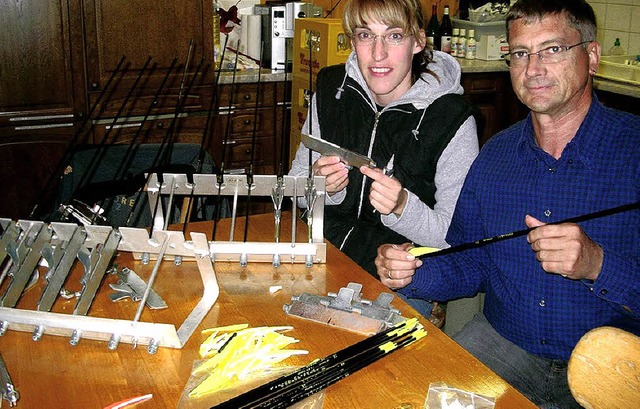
570 161
552 170
543 341
547 213
542 303
603 291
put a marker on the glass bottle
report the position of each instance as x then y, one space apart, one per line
454 40
461 44
433 28
471 46
617 48
446 30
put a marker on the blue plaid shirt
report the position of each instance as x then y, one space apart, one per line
546 314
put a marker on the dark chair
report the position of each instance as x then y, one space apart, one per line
112 177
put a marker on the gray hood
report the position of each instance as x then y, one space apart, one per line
424 92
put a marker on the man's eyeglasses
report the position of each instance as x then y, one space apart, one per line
368 38
549 55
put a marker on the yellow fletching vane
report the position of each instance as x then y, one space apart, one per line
421 251
228 328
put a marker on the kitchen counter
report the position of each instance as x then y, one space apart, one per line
475 66
617 87
251 76
468 67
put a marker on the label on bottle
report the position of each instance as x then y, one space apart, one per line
471 50
445 44
454 48
461 47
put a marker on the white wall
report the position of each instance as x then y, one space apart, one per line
621 19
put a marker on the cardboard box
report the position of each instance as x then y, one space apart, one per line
494 28
329 45
491 47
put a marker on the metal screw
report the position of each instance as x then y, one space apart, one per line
75 337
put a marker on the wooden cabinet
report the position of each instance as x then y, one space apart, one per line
41 101
617 101
245 127
249 126
40 62
137 30
27 165
60 69
492 94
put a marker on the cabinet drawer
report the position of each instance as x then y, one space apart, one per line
131 131
243 122
166 104
483 83
246 94
197 99
238 152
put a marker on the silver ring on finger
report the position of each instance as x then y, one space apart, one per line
389 274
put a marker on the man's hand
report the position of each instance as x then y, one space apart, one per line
395 265
335 171
565 249
386 195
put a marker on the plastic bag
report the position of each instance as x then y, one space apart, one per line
442 396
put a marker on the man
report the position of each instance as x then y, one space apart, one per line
400 103
570 156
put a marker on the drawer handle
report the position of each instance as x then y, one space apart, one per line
125 125
229 142
247 121
46 126
247 97
40 117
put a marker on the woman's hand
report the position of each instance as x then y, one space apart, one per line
387 194
334 170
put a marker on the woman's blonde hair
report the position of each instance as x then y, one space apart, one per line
404 14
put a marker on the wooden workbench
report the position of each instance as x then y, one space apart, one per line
53 374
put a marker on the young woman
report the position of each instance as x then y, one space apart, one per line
400 103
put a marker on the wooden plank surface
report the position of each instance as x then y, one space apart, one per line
52 373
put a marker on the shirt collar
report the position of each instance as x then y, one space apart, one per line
581 148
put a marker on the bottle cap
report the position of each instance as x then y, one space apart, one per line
463 32
472 33
456 31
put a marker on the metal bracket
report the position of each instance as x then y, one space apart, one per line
347 309
97 244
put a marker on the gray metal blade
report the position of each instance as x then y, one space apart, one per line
10 234
20 279
326 148
59 273
98 269
139 286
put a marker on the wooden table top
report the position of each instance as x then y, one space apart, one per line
51 373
